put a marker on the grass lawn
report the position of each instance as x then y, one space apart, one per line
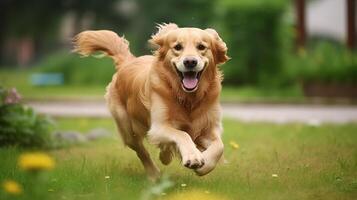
21 80
309 163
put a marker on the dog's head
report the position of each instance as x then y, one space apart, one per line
189 52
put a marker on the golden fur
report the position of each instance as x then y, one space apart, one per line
146 96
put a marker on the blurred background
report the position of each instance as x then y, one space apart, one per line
282 51
288 100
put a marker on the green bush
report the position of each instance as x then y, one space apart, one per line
79 71
20 125
253 35
185 13
325 63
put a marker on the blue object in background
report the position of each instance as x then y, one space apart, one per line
44 79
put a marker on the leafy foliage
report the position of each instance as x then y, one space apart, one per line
78 71
325 63
253 34
20 125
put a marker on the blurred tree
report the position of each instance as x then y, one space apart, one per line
192 13
28 28
105 14
253 32
300 23
351 23
24 24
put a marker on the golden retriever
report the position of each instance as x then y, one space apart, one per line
171 97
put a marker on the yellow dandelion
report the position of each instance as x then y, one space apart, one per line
194 195
234 145
36 162
12 187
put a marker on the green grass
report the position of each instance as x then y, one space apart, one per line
311 163
21 80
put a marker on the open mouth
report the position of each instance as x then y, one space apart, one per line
189 79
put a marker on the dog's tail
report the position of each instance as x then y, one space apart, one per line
108 42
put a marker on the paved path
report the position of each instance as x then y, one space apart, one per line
311 114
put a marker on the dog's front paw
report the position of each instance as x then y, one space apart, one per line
205 169
193 159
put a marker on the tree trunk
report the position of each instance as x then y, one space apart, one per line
300 23
351 24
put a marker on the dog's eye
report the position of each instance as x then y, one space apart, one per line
178 47
201 47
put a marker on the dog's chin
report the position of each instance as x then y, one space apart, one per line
189 80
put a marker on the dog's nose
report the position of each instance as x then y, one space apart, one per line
190 62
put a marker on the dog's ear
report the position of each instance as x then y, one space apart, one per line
163 29
219 47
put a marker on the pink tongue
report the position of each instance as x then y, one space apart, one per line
190 82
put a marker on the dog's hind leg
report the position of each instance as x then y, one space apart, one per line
138 134
128 132
151 169
135 142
